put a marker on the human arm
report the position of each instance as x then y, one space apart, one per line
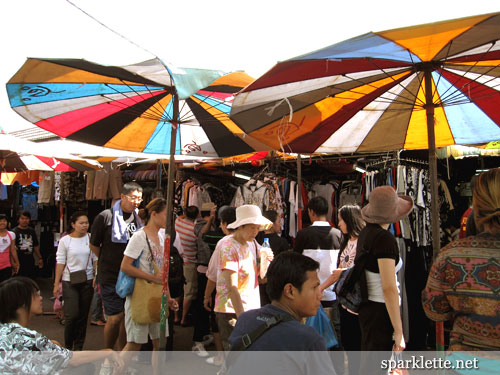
387 269
36 249
130 270
209 223
332 279
61 260
207 298
86 356
95 249
14 260
230 278
97 233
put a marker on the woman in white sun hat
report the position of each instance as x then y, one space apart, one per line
379 316
238 269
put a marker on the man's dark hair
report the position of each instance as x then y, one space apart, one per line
25 213
318 205
288 268
192 212
3 217
131 186
270 215
227 215
15 293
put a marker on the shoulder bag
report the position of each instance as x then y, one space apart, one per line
145 303
77 277
125 283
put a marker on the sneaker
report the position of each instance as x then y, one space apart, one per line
199 349
214 361
207 340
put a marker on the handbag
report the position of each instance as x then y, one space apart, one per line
321 323
351 297
78 277
348 286
125 283
145 303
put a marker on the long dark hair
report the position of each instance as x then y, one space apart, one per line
351 215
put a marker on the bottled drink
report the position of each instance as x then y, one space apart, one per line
265 252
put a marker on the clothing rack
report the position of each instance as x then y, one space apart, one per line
397 160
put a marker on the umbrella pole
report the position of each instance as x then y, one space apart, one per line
299 192
168 226
431 141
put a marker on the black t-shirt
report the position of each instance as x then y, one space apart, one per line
111 254
379 243
278 244
26 240
318 237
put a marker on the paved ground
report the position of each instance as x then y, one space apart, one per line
49 325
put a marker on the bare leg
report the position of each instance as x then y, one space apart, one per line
186 305
112 330
122 337
219 357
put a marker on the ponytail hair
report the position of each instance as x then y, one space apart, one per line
486 199
156 205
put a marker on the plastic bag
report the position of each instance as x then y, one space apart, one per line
321 323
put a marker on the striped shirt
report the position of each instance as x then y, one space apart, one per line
185 230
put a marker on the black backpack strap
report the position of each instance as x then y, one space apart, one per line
249 338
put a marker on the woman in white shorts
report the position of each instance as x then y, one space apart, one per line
154 218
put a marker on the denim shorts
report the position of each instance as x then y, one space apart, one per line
113 303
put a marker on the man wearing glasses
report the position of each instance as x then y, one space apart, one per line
111 230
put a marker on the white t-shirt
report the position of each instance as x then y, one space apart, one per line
137 245
75 253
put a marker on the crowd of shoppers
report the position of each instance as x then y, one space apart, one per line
233 288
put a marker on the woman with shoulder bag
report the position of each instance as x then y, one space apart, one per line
380 317
350 224
75 266
147 243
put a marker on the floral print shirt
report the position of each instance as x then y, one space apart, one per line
239 258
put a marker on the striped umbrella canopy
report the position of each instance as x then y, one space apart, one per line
375 92
131 107
22 155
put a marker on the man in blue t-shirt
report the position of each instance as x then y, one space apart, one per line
293 287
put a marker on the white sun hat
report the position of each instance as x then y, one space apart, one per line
250 214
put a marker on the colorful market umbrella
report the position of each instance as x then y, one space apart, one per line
22 155
411 88
144 107
369 93
131 107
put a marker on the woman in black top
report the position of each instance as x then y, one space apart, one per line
380 317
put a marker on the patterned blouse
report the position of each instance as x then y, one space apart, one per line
464 285
24 351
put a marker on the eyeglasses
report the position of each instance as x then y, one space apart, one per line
133 198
